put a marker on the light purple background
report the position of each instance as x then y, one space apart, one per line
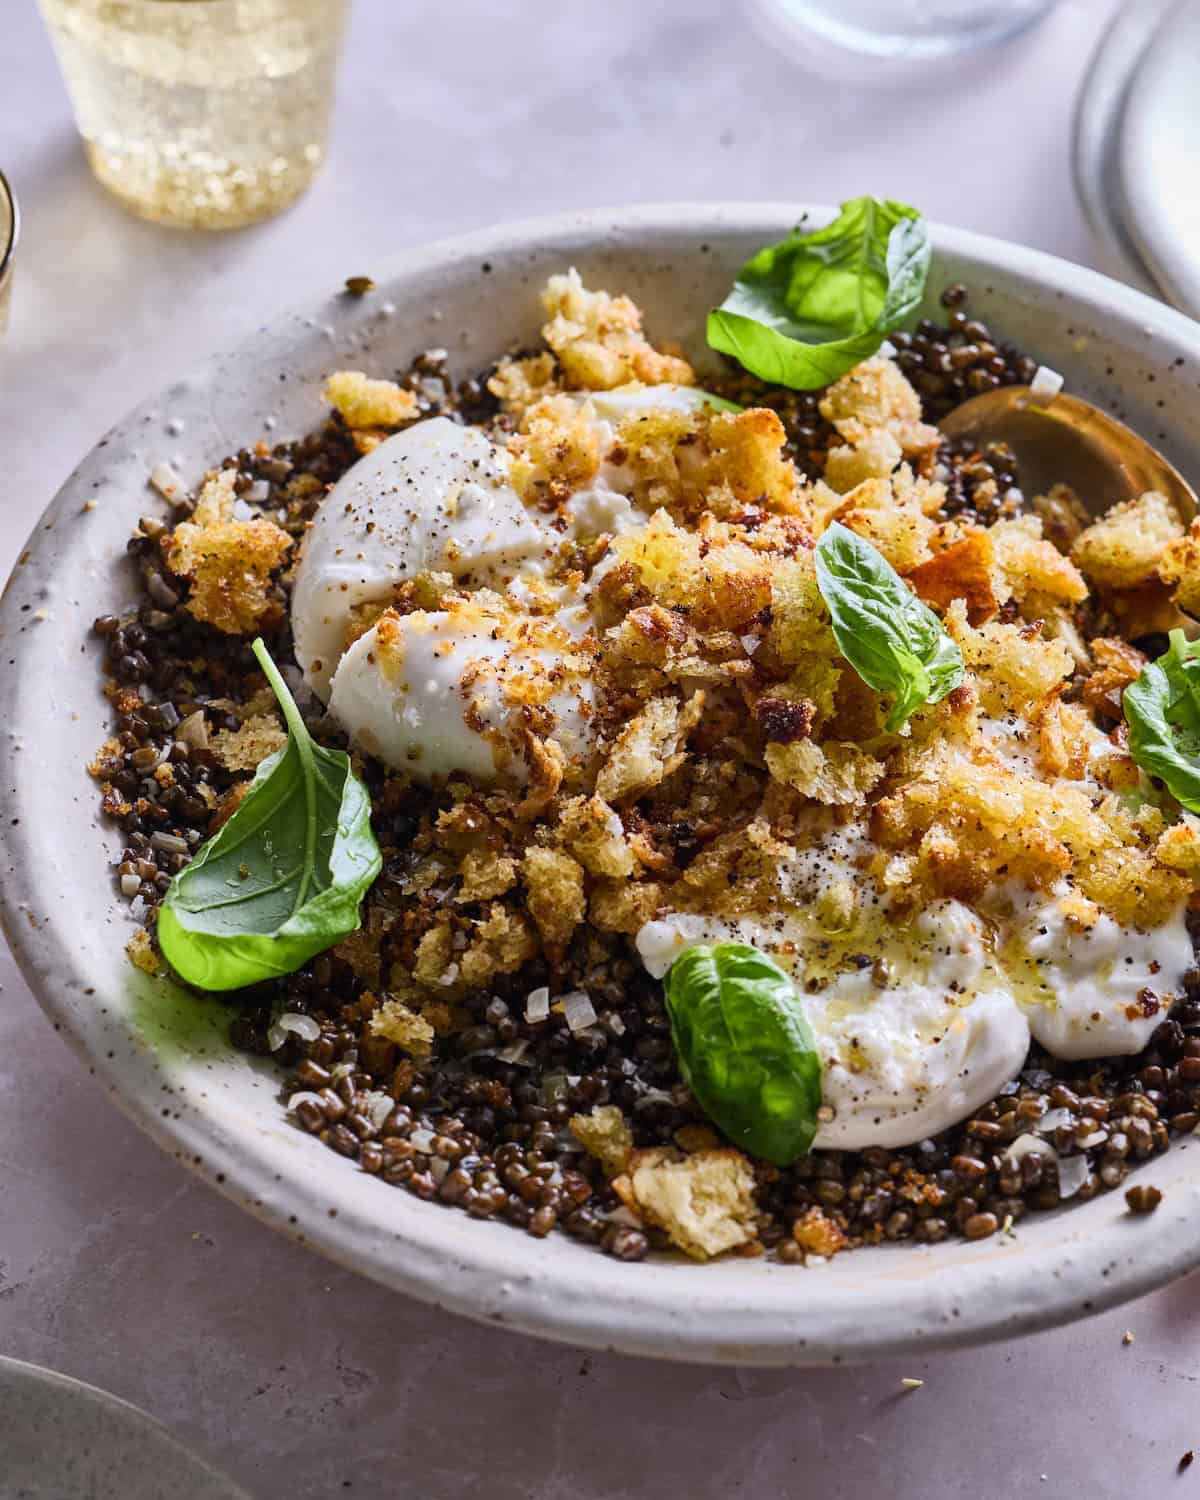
303 1380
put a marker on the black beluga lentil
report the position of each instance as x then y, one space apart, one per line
481 1126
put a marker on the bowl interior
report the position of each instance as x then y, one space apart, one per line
164 1053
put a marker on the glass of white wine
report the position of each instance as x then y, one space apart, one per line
201 113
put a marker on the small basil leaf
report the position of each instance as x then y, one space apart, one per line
283 878
745 1048
805 311
1162 709
891 638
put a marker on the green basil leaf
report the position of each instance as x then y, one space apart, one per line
1162 709
805 311
891 638
283 878
745 1048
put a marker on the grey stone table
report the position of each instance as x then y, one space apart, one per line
303 1380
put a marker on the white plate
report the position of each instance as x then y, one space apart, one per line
1160 177
165 1056
1096 146
63 1440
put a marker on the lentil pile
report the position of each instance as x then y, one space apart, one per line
482 1124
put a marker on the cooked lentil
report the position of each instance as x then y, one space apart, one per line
488 1135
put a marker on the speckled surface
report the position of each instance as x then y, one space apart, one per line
60 1438
117 1266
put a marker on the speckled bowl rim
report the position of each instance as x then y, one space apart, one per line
874 1302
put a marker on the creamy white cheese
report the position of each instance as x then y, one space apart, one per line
920 1022
1090 992
434 497
446 696
911 1039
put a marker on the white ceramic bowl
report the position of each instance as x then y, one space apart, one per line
164 1054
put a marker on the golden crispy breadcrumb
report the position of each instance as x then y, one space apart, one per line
705 1202
599 341
362 402
1124 547
228 563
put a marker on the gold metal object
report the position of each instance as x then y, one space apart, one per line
1065 440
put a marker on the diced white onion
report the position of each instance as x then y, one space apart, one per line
537 1004
1096 1138
1072 1174
622 1215
514 1052
422 1139
439 1167
302 1026
276 1036
167 482
1045 384
750 643
379 1106
304 1096
1053 1119
578 1010
1030 1145
131 884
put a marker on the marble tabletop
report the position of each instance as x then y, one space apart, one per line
301 1379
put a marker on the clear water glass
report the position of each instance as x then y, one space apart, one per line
10 224
901 30
200 113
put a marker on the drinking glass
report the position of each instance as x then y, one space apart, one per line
202 113
901 30
10 228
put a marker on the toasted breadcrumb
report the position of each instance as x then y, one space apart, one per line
520 383
591 830
837 775
144 955
705 1202
1033 568
599 341
555 453
411 1032
965 570
486 874
243 749
555 893
1179 565
604 1134
648 749
817 1234
876 456
227 563
363 402
503 941
1124 548
877 396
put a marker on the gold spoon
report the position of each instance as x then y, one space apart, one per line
1063 440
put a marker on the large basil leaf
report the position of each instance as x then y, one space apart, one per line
745 1048
283 878
891 638
1162 709
805 311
